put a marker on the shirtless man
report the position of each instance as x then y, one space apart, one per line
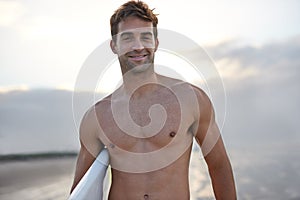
149 122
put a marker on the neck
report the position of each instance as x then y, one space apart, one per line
139 84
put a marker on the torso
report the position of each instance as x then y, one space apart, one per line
155 166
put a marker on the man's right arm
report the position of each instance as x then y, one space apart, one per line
90 145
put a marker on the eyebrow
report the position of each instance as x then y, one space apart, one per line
126 34
131 33
147 33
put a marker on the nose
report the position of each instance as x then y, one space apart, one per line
137 45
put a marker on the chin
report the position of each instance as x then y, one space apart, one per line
140 68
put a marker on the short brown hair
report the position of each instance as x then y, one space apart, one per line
133 8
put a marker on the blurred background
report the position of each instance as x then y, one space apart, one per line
254 44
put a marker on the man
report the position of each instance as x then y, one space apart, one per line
149 122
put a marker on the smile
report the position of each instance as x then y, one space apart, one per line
137 57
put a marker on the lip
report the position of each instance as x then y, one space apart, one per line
137 57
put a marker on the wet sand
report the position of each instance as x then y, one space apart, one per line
37 179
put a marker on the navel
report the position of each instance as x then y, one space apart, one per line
146 196
111 145
172 134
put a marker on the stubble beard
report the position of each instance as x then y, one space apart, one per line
138 68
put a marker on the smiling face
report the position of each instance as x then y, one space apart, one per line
135 45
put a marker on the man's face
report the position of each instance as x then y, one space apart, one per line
135 45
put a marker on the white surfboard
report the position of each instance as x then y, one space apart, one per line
91 184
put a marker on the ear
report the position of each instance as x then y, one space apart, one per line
113 47
156 44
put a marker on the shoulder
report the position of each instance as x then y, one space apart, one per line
188 89
201 95
90 130
198 99
102 104
90 118
193 96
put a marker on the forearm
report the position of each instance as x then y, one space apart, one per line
84 161
223 182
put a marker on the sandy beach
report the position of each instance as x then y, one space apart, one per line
38 179
268 176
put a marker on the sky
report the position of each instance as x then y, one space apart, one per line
45 43
253 44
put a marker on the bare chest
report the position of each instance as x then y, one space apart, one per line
147 124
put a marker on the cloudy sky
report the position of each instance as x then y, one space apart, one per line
254 44
44 43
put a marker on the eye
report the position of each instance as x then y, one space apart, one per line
147 38
126 38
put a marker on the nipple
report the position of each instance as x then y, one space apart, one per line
172 134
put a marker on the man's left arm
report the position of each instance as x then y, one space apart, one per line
211 143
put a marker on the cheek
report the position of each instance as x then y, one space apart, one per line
148 44
123 49
151 51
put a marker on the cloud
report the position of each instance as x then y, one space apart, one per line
262 86
273 61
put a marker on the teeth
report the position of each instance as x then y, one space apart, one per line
137 56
